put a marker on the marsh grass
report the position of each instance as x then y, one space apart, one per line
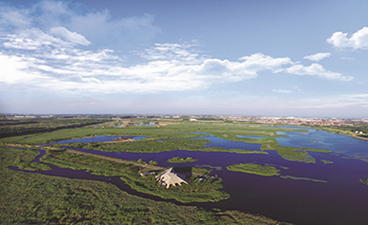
181 160
326 161
196 191
254 169
28 198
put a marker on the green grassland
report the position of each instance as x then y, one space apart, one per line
254 169
38 199
181 160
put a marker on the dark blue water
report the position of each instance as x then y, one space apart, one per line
334 196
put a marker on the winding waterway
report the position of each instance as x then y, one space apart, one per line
303 194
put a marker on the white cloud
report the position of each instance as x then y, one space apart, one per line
74 23
318 57
358 40
11 17
316 70
34 38
283 91
69 36
16 70
166 67
54 51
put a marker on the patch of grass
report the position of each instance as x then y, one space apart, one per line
303 178
326 161
34 166
209 166
254 169
181 160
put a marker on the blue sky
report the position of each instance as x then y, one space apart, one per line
266 58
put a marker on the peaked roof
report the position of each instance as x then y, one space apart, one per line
169 177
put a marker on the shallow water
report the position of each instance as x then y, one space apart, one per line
333 195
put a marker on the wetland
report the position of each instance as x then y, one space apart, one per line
306 187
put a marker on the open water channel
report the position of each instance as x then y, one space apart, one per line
312 193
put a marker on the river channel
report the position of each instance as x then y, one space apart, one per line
313 193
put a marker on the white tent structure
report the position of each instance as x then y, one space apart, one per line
169 177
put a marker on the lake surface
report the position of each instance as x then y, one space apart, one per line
303 194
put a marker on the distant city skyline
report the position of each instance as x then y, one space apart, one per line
250 58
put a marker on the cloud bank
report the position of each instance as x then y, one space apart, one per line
55 46
318 57
358 40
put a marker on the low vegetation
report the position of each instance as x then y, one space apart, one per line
326 161
254 169
38 199
15 127
181 160
196 191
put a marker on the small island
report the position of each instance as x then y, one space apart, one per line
181 160
326 161
254 169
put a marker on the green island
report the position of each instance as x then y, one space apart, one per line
254 169
326 161
181 160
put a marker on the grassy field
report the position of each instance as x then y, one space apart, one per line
254 169
38 199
